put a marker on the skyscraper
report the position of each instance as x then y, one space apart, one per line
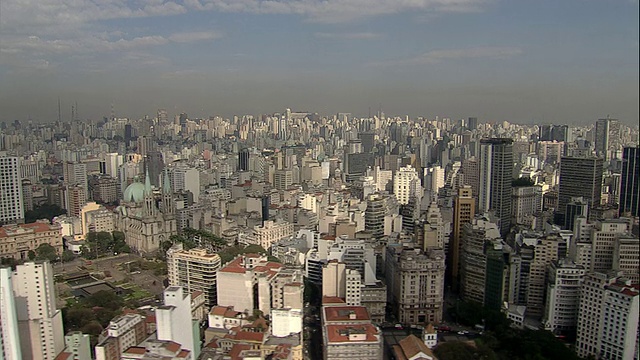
374 215
464 211
496 174
629 194
243 160
579 177
11 206
406 183
602 138
10 334
39 321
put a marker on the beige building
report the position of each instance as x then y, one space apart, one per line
527 201
96 218
123 332
546 251
603 242
17 240
334 279
268 233
194 270
39 321
415 282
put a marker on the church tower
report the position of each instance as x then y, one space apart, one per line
167 196
149 202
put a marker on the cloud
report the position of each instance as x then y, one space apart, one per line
436 56
348 35
189 37
332 11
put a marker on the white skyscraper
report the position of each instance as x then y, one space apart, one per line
11 206
406 183
188 179
174 321
39 322
10 341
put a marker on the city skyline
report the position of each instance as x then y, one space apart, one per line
450 58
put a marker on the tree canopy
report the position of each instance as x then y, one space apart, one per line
46 211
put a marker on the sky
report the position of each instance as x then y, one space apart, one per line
536 61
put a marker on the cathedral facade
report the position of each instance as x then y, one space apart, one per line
145 225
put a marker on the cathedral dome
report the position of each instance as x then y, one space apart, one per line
134 192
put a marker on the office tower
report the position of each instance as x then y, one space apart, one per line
10 332
415 283
186 178
607 317
76 196
128 134
406 183
626 257
146 144
368 141
27 195
579 177
563 296
473 261
75 174
547 249
334 279
432 229
113 161
194 270
282 179
471 171
464 210
603 243
630 186
602 138
162 116
496 174
374 215
472 123
526 202
11 206
243 160
175 322
576 207
155 165
39 321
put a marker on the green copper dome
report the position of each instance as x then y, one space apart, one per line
134 192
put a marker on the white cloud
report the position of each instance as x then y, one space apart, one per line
335 10
436 56
189 37
348 35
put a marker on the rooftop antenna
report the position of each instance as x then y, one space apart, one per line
59 111
113 112
77 117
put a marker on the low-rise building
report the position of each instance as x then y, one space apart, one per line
347 332
17 240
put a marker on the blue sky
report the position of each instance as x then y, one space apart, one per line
524 61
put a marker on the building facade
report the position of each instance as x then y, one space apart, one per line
11 206
194 270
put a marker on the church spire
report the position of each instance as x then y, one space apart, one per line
166 185
147 184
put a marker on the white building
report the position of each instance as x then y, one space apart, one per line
78 346
39 321
285 322
563 296
353 287
186 178
268 233
527 201
603 241
10 344
406 184
11 205
626 258
174 321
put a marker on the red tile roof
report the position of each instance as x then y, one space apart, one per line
345 313
340 333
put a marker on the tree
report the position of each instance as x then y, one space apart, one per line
46 211
46 252
67 255
31 255
455 350
105 299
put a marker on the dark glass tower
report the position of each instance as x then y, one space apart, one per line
579 177
496 174
629 194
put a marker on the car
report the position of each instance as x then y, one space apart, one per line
444 328
463 332
399 326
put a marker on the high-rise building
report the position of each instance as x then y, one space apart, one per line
464 210
608 317
527 201
39 321
603 243
563 296
186 178
243 159
496 175
175 322
626 257
576 207
630 188
194 270
123 332
579 177
415 283
471 171
472 123
11 206
374 215
10 333
76 196
282 179
27 195
602 138
406 183
75 173
547 249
